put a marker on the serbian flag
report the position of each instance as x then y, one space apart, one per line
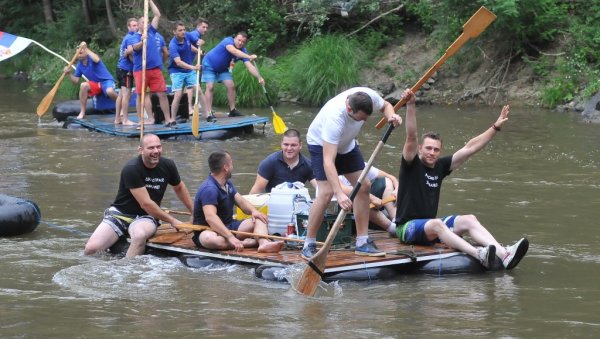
11 45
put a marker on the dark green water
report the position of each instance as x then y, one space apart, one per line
540 177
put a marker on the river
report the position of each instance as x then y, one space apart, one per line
539 177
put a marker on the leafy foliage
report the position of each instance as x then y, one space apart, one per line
323 66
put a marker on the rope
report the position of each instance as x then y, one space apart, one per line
66 228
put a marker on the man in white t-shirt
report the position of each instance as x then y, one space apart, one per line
334 151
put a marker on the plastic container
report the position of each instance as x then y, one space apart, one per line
259 201
286 200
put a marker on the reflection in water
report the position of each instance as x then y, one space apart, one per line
540 176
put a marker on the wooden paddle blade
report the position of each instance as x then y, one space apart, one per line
308 282
278 124
196 122
47 100
478 22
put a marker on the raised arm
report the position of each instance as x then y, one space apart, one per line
478 143
155 13
412 142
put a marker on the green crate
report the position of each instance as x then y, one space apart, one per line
344 235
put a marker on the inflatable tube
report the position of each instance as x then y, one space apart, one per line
18 216
63 110
195 261
458 264
275 273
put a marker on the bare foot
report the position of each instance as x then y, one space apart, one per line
117 122
270 247
81 115
149 122
129 123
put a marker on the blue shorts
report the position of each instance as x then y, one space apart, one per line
413 231
106 84
182 80
209 74
350 162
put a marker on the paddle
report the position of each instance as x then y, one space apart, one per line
312 274
167 238
471 29
47 100
278 124
144 48
266 236
384 201
196 115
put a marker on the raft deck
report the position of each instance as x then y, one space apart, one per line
338 259
105 124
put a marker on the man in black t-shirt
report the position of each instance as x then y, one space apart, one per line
421 173
136 209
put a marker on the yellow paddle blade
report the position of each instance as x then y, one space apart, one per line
278 124
196 122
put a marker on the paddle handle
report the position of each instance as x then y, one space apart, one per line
263 86
248 234
471 29
144 50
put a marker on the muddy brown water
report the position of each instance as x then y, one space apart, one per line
540 177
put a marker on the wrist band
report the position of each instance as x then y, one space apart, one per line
496 128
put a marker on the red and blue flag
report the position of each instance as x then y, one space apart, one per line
11 45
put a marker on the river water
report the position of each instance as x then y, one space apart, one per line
540 177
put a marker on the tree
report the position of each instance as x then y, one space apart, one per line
48 11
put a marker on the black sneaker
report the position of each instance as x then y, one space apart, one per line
235 113
211 119
309 251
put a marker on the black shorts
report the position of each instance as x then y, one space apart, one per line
124 78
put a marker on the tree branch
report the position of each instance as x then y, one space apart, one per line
375 19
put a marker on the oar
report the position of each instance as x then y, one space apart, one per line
144 48
471 29
167 238
196 115
278 124
313 272
248 234
384 201
47 100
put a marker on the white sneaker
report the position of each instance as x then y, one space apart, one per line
515 253
486 255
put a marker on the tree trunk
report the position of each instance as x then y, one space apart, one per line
111 19
48 11
86 12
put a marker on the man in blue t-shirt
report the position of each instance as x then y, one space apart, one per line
213 206
124 74
196 35
182 70
287 165
99 78
154 62
217 66
422 170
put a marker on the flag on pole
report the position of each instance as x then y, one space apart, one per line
11 45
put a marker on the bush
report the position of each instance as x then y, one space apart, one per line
323 66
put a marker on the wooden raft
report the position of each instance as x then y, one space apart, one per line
338 260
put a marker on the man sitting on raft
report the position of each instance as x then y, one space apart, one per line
213 206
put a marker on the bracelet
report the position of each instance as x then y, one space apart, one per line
496 128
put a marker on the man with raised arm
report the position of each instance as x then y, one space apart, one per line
422 170
136 210
154 63
99 78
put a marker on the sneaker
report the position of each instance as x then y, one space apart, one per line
235 113
211 119
515 253
486 255
369 249
309 251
